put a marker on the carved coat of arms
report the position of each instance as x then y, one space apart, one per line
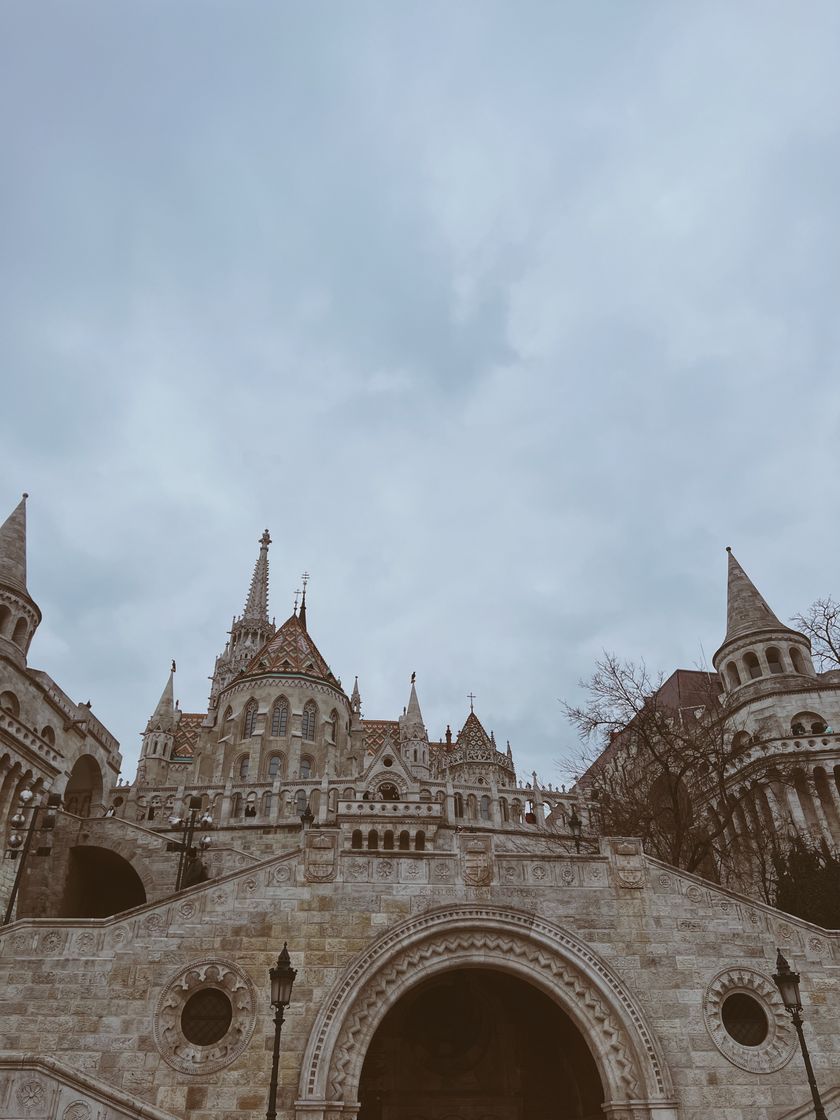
321 857
478 861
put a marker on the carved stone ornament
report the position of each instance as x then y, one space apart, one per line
30 1093
78 1110
321 862
478 862
776 1050
176 1049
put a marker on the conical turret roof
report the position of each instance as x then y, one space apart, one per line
291 650
746 608
472 734
163 717
13 548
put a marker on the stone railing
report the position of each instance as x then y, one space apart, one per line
426 810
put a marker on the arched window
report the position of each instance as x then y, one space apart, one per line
10 703
472 808
356 841
751 664
334 726
373 839
484 808
774 660
503 805
250 725
797 661
300 802
388 841
459 805
19 636
48 735
307 727
5 617
243 767
425 795
808 723
275 766
306 767
420 841
405 840
279 719
732 675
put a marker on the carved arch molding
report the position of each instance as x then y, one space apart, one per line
637 1084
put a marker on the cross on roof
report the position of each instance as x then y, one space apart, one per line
304 580
471 698
297 596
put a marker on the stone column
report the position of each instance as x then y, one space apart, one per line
819 812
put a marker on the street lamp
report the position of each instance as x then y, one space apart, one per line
185 846
19 845
282 977
576 825
787 981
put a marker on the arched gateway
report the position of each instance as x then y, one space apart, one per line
631 1073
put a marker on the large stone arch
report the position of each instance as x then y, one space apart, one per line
636 1081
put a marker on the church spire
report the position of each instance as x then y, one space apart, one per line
13 548
746 609
256 605
163 717
302 615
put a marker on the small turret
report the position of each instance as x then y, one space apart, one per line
159 736
414 742
759 653
19 614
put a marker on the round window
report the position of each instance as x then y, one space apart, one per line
744 1019
388 761
206 1017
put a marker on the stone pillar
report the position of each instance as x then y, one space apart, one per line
819 812
796 811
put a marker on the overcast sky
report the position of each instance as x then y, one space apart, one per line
505 319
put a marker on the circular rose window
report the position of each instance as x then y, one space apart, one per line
206 1017
747 1020
744 1019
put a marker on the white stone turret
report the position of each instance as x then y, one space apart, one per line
759 653
414 741
159 736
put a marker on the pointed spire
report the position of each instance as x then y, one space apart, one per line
356 699
746 608
302 615
163 717
413 712
256 606
13 548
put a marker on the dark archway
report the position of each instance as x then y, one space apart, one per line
84 789
476 1044
100 883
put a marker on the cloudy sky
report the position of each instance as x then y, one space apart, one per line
504 318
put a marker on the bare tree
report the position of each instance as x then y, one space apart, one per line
657 759
821 624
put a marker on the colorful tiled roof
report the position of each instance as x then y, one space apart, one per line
378 730
472 734
186 734
291 650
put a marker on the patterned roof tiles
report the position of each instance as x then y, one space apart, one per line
472 734
291 650
186 734
378 730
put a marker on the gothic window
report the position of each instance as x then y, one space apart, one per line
459 805
279 719
243 767
484 809
250 719
752 665
307 727
251 805
334 726
300 802
503 805
275 764
306 768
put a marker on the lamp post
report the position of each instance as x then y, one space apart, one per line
576 825
282 977
19 845
185 846
787 981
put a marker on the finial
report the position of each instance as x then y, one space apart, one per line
471 698
297 596
265 539
304 579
